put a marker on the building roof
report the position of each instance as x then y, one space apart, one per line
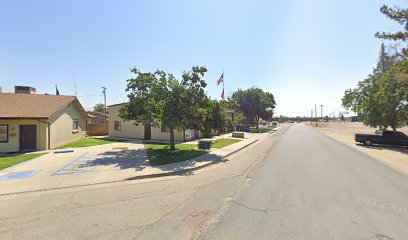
117 104
95 115
35 106
90 115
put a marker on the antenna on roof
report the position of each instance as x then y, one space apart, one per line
76 95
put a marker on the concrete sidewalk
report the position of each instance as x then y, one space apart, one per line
107 163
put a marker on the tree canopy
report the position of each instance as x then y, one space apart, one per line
380 100
99 108
254 103
401 17
159 98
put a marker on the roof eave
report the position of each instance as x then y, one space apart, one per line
17 118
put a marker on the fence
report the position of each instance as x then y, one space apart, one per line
97 129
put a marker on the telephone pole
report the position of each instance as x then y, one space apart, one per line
316 113
321 110
311 116
104 98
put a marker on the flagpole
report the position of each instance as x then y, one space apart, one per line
223 90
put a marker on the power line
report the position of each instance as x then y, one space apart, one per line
91 95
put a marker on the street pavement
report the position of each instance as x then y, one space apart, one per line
295 184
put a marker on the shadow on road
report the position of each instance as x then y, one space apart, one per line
401 149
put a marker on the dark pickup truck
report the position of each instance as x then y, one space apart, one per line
383 137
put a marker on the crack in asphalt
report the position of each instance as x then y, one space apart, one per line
255 209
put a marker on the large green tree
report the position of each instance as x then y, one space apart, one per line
254 103
159 98
393 95
380 100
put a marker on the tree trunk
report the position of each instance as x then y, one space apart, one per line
172 145
257 123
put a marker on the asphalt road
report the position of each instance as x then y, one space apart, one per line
298 184
311 187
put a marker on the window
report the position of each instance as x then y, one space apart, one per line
3 133
399 135
75 126
117 125
163 127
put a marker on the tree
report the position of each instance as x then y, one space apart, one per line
159 98
212 117
401 17
363 100
381 99
393 95
99 108
254 103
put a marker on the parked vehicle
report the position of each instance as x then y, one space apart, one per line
383 137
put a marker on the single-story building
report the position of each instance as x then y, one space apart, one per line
31 122
128 129
97 118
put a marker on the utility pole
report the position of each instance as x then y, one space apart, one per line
321 110
104 98
316 114
311 116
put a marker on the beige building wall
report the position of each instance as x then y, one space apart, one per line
127 128
62 126
157 134
130 130
13 144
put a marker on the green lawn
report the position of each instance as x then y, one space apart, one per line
88 142
159 153
220 143
9 161
260 130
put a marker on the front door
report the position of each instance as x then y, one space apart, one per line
28 137
147 132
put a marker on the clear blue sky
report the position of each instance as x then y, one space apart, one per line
304 52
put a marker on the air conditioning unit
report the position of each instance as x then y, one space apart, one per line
24 89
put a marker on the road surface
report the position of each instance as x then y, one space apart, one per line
298 184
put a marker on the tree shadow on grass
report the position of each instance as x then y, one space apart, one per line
401 149
185 168
189 163
125 159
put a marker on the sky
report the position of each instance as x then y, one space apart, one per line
304 52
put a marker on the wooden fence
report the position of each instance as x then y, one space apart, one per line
97 129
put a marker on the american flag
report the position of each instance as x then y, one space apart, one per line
221 80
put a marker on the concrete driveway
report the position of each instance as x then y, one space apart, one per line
109 162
